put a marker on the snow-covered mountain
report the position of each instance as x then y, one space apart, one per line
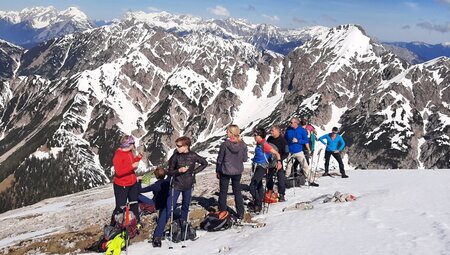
263 36
70 99
34 25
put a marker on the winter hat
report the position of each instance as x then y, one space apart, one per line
128 143
310 128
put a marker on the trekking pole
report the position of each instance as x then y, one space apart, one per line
183 244
127 221
317 165
264 183
171 215
291 164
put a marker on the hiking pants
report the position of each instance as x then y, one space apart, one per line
162 220
281 176
300 156
256 185
124 193
338 157
146 200
165 213
224 181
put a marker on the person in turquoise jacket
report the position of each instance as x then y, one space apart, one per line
335 144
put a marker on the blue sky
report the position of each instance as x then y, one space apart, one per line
387 20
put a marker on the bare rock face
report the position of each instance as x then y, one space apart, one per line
76 95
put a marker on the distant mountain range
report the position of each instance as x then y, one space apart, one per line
65 102
31 26
424 51
34 25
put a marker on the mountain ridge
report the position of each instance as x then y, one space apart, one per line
72 97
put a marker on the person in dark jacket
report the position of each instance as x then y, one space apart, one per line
263 151
160 190
278 140
125 180
230 165
182 170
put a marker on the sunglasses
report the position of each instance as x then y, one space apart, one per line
179 145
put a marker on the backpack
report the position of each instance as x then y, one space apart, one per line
271 159
216 221
180 229
130 226
146 209
271 197
109 233
299 180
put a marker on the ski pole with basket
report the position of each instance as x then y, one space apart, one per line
127 223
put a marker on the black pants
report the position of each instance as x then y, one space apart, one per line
337 156
124 193
281 176
224 181
256 185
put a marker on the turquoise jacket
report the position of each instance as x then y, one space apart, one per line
332 145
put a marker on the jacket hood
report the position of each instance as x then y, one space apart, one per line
235 147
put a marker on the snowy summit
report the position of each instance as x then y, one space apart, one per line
395 212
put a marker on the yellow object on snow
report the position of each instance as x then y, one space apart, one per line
115 246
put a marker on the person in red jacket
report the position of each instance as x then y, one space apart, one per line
125 180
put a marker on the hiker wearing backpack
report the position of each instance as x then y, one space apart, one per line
182 170
297 137
230 165
283 149
261 162
125 181
335 144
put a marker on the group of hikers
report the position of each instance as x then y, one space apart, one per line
297 146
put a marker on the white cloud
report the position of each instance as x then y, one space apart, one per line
412 5
272 18
153 9
443 28
220 11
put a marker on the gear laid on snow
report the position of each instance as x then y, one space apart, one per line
338 197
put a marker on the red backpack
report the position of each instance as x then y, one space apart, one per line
271 197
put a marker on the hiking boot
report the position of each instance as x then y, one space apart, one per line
281 198
257 209
156 242
313 184
344 176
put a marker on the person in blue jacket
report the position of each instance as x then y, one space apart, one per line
335 144
297 137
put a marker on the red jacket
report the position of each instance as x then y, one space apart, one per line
123 168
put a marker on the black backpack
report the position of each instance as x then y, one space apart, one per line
298 181
217 221
179 231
